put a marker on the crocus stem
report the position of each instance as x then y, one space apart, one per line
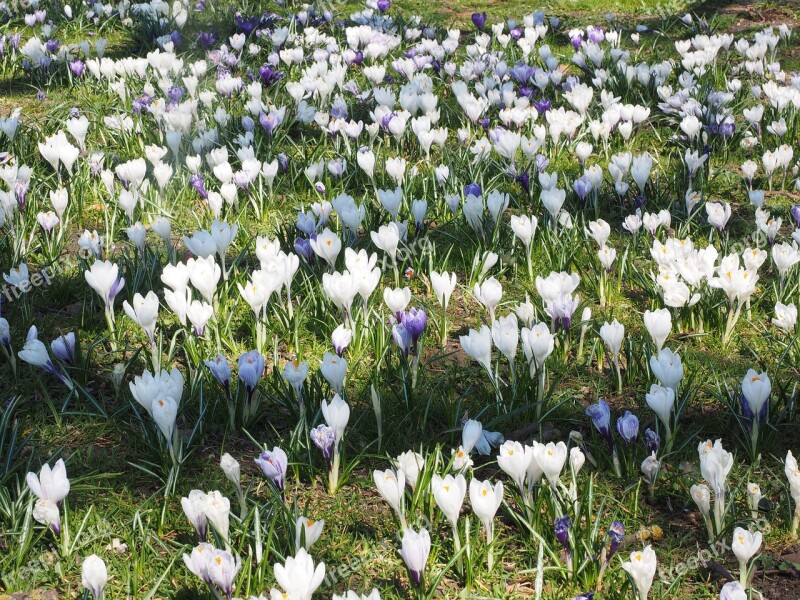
615 460
242 503
457 541
743 573
490 544
333 479
540 393
619 375
795 521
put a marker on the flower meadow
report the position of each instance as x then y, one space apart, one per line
340 302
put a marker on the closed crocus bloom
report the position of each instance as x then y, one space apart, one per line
415 549
307 532
505 333
701 494
659 325
50 484
334 369
553 199
628 427
785 257
341 338
94 575
718 214
295 374
194 509
576 459
391 487
443 286
551 458
449 494
661 401
410 463
327 246
222 570
612 334
102 277
485 499
793 476
478 344
524 227
204 274
489 293
514 459
198 561
753 498
471 434
650 467
668 368
144 312
231 468
337 415
537 343
642 569
298 577
756 388
397 299
387 239
165 411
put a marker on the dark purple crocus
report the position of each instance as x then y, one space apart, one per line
414 321
21 192
51 46
628 427
600 414
479 20
652 442
524 179
639 202
402 338
206 40
383 5
175 38
616 533
542 105
562 525
269 74
521 72
472 189
795 212
283 161
325 439
199 184
516 33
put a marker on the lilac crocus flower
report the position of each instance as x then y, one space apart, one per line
63 348
402 338
628 427
76 67
479 20
306 223
595 34
582 187
221 371
542 105
34 352
795 212
274 464
562 525
302 247
600 414
199 184
324 438
383 5
283 161
576 39
251 367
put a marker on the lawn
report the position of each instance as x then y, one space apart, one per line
478 290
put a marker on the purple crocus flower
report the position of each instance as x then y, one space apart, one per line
576 40
21 192
795 212
306 223
541 162
562 525
269 74
283 161
402 338
516 33
302 247
542 105
616 533
174 94
221 371
414 321
582 187
524 179
251 367
175 38
76 67
652 442
324 438
600 414
199 184
521 72
628 427
479 20
51 46
206 40
595 34
64 348
472 189
274 464
383 5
